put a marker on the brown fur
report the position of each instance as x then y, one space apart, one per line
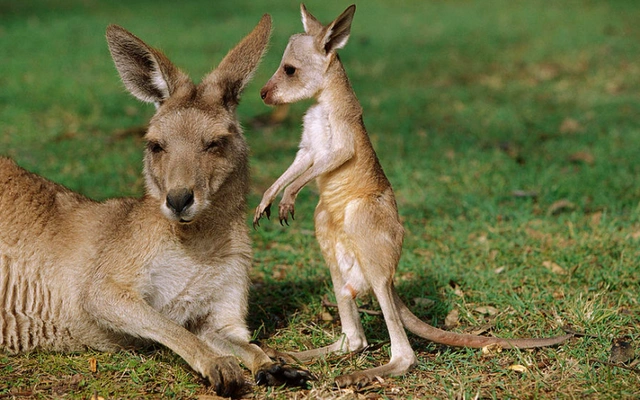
170 267
357 222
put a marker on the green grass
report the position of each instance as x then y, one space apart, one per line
466 103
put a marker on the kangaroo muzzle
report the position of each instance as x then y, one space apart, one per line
179 201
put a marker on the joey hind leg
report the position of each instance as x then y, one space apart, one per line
377 234
353 338
402 356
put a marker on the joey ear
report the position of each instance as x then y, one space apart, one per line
310 23
236 69
336 34
146 73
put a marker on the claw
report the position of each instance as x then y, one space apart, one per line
261 378
259 214
267 211
277 374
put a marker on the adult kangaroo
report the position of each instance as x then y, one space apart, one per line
170 267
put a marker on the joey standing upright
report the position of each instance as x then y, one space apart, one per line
356 219
170 267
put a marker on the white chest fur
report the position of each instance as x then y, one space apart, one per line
316 135
183 289
169 276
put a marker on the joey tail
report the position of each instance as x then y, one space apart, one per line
436 335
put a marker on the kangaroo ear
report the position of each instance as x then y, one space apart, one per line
146 73
311 25
336 34
237 67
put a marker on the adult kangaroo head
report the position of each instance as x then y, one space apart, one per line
195 151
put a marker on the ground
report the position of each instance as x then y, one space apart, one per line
508 129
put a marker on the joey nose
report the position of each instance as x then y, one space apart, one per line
179 200
263 93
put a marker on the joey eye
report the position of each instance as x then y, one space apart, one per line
155 147
290 70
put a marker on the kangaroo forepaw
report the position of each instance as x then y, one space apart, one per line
284 211
277 374
226 377
260 211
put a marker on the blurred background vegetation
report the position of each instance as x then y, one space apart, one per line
509 129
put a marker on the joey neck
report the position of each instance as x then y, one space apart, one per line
336 92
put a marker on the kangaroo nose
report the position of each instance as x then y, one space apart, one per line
263 93
179 200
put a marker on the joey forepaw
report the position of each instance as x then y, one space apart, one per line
260 211
284 211
287 204
276 374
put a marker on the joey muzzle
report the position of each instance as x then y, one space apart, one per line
266 93
179 200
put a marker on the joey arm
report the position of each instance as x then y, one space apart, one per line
302 163
320 167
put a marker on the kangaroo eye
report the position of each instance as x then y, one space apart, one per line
214 144
155 147
290 70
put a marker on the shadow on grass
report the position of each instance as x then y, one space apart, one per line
275 305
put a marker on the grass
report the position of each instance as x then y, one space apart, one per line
469 104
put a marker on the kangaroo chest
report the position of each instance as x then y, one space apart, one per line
178 285
169 275
184 288
317 135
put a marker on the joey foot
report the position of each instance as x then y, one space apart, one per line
276 374
356 379
260 211
225 376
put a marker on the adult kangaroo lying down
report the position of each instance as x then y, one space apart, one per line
357 223
170 267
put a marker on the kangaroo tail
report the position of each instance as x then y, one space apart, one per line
426 331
